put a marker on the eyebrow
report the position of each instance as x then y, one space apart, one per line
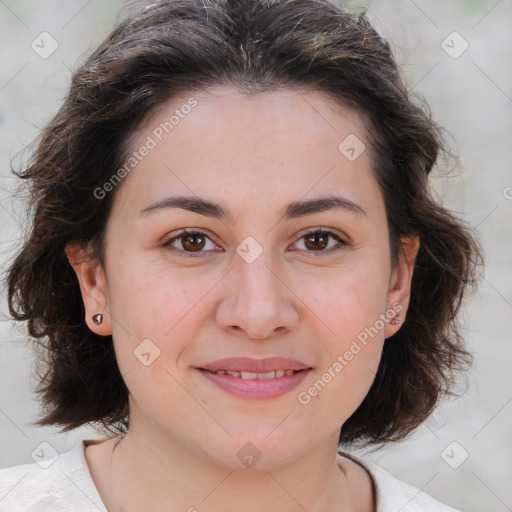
293 210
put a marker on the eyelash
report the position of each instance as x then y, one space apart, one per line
185 233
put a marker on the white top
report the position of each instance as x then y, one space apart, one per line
66 486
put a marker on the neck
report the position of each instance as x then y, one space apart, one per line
149 473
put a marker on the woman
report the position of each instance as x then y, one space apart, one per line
236 268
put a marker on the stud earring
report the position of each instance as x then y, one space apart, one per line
394 321
97 319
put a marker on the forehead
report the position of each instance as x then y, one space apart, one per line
222 144
282 110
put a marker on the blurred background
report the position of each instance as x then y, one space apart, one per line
455 55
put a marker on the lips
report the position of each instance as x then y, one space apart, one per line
261 367
248 378
278 374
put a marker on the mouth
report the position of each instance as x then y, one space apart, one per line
278 374
249 365
255 378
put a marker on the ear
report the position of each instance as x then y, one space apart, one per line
399 291
93 286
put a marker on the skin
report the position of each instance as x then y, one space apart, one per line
254 156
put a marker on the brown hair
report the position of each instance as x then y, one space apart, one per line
181 46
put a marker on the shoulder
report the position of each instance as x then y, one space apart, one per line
52 485
393 494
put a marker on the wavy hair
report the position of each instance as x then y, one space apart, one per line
180 46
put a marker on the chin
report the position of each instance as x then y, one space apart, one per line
253 451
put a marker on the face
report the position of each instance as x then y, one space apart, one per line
265 271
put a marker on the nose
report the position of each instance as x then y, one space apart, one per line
257 301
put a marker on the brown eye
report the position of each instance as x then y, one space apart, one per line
318 241
193 242
190 243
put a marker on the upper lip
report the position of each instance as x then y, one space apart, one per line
246 364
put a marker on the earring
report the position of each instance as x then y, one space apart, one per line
97 319
394 321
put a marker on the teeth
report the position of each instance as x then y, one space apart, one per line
249 375
267 375
252 375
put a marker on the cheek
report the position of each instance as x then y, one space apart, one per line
353 349
156 312
350 299
350 308
156 303
339 388
152 296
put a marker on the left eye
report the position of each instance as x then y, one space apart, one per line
319 241
195 241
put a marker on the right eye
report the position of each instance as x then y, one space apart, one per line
189 242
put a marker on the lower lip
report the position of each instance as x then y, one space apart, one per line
256 388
